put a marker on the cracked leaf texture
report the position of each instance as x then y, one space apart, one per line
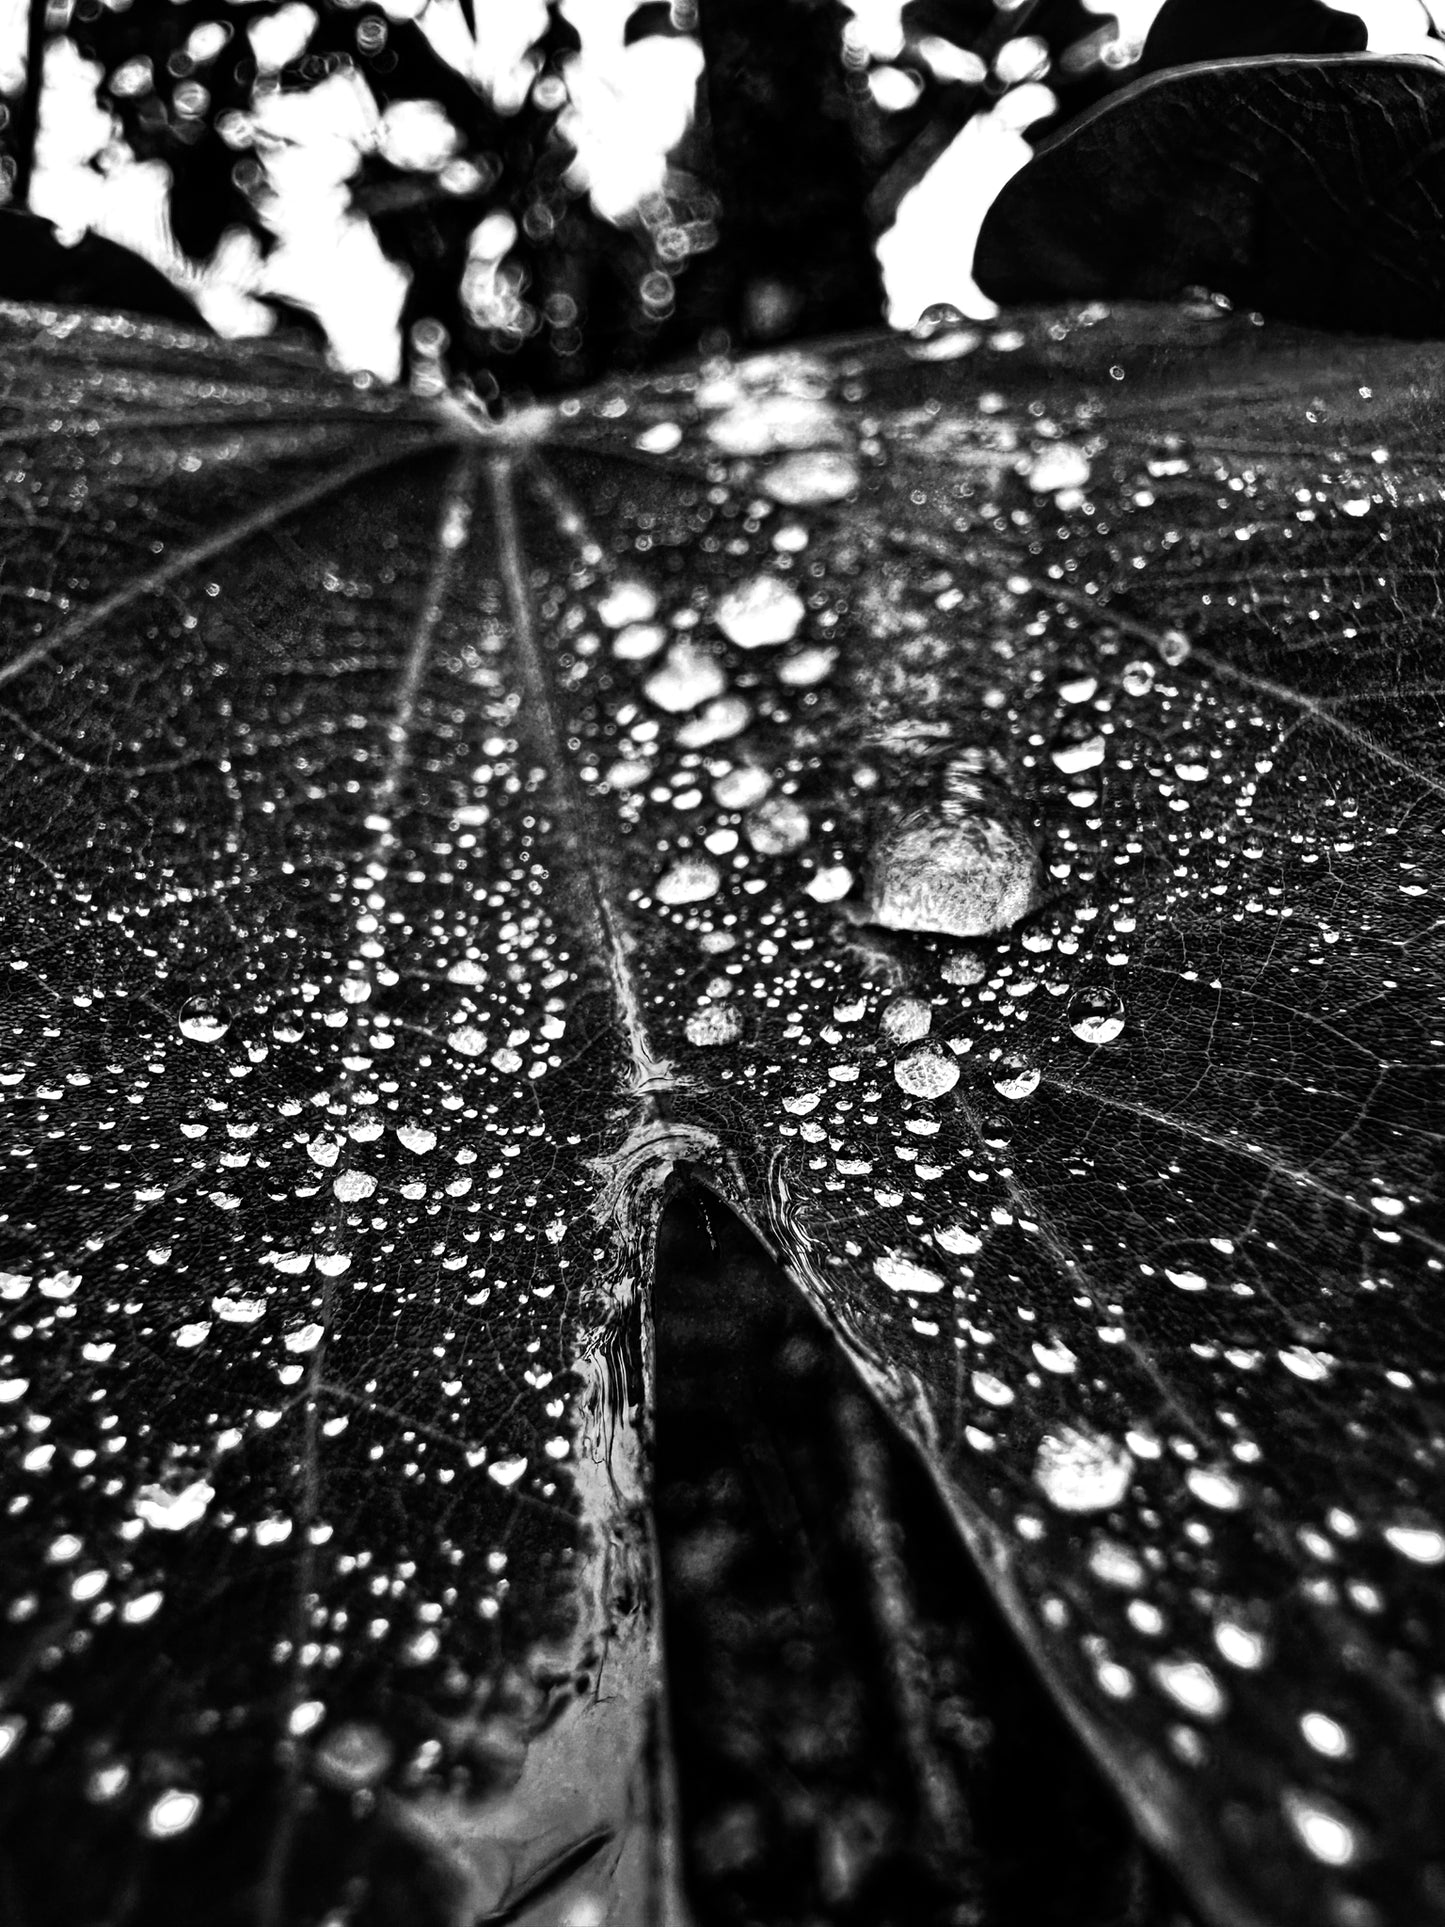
976 802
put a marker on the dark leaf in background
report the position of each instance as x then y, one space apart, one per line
35 265
1187 31
976 804
1307 189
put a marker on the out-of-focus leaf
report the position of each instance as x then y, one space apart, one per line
93 272
1190 30
426 842
1308 189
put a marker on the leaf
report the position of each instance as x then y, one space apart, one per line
976 802
92 272
1187 30
1306 188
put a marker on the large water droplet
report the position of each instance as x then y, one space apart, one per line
738 789
906 1019
766 424
353 1756
760 613
688 677
804 481
777 825
690 880
1012 1078
204 1020
173 1509
903 1274
1059 466
625 602
1080 1471
1190 1684
925 1071
1073 754
171 1812
1424 1544
1096 1016
715 1025
1323 1830
964 868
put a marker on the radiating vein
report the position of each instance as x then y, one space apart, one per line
453 528
231 535
651 1072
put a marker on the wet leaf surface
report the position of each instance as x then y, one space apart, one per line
975 803
1309 189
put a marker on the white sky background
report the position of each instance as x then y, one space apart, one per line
628 107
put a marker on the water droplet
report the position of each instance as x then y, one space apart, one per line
1116 1565
1305 1363
1080 1471
1075 754
958 1239
810 480
690 880
170 1813
1078 688
204 1020
1014 1079
639 641
689 677
737 789
238 1310
173 1510
966 868
1424 1544
715 722
716 1025
829 885
1059 466
766 424
1325 1735
1184 1279
777 825
417 1138
964 967
947 345
1096 1016
806 668
507 1471
1215 1487
353 1756
1323 1831
1138 677
1242 1646
661 439
627 601
925 1071
1190 1684
760 613
906 1019
902 1274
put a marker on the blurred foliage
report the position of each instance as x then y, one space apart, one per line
813 119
